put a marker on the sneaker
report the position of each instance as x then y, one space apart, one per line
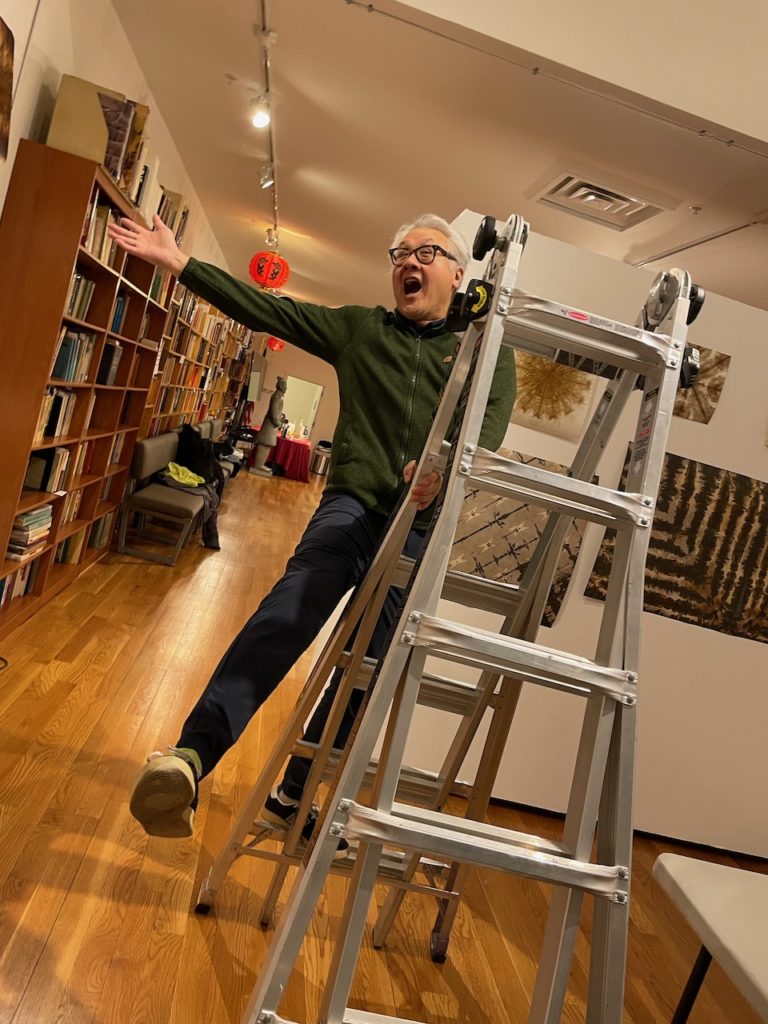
282 814
165 796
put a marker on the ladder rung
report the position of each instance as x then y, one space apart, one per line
543 328
363 1017
541 487
439 692
479 844
413 783
466 589
391 867
510 656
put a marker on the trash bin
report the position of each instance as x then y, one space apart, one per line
320 460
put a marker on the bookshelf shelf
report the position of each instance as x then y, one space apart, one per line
10 565
87 258
58 382
55 442
105 507
84 324
15 612
82 481
70 528
63 287
30 500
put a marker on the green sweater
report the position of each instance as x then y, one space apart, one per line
390 376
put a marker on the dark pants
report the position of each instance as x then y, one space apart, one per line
337 547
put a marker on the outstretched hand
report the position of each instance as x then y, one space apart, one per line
427 487
157 246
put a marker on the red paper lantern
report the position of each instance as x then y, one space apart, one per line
269 269
275 344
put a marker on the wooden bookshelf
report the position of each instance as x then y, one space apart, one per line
111 323
202 363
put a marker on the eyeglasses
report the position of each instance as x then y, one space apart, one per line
425 254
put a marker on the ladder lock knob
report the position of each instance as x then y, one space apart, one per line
485 239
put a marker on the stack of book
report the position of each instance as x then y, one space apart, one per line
101 531
71 506
121 308
68 551
47 470
29 533
56 411
73 355
18 583
117 449
95 237
110 360
83 459
79 297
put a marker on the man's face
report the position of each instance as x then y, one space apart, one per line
423 291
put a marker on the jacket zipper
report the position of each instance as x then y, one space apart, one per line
409 417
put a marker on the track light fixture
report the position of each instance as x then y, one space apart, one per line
267 176
260 117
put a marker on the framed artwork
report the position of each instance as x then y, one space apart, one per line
6 86
699 402
553 398
496 537
708 555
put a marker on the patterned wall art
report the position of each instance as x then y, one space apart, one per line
497 536
552 398
699 402
6 86
708 555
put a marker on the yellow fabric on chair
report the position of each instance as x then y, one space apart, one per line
185 476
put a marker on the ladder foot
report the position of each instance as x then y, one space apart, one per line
205 898
438 948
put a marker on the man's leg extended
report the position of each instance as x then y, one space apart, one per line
292 786
331 558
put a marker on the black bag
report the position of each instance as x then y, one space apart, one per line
196 454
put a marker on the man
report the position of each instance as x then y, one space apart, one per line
391 367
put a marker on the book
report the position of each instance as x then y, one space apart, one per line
118 114
110 360
134 148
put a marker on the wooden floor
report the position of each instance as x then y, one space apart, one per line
95 921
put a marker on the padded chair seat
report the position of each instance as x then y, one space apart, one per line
167 501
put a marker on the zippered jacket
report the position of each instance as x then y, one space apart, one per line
390 375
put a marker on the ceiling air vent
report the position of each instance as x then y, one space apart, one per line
597 203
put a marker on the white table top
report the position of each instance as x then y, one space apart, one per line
728 909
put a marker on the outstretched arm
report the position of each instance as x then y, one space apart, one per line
157 246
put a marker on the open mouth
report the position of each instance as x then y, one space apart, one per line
411 285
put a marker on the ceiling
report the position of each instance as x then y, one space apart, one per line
377 120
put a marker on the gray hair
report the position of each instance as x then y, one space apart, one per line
431 220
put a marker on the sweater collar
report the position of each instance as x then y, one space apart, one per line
430 330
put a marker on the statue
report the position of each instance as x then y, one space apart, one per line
267 436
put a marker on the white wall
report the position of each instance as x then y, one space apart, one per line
702 757
706 59
85 38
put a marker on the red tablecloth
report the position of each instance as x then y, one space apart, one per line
293 456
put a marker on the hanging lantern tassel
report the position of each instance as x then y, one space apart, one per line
275 344
269 269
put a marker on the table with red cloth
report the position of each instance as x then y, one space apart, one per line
292 455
